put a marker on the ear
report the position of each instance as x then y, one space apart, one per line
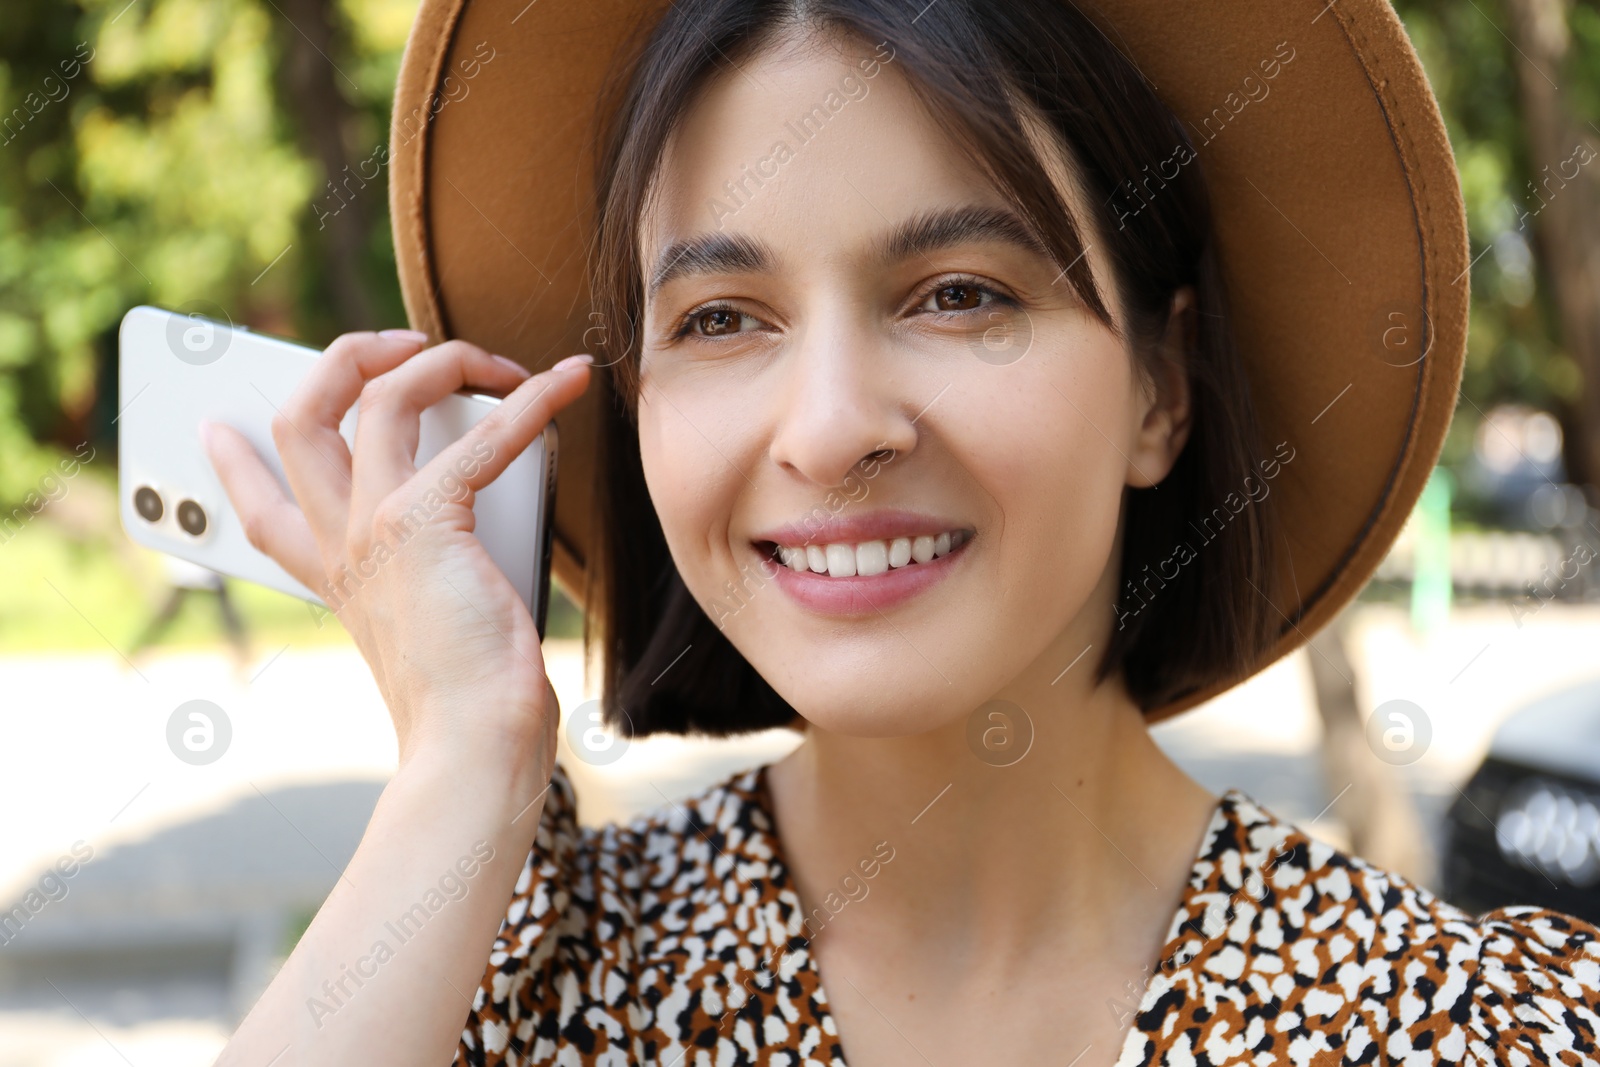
1166 403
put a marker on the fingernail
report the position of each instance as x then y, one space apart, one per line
573 361
205 433
415 336
513 364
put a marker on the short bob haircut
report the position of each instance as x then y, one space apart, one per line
970 62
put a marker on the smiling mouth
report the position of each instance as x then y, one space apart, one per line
865 559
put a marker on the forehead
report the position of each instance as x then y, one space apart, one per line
819 145
797 120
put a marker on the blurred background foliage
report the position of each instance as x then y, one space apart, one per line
181 153
194 153
1479 59
180 164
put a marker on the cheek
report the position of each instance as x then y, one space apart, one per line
1049 456
691 484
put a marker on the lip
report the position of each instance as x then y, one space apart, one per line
857 595
879 525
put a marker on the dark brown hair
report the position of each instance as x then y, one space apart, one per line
667 666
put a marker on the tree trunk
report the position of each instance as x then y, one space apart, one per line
1372 796
342 210
1562 207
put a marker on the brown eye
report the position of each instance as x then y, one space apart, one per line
718 321
958 297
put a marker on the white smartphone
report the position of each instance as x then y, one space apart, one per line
175 369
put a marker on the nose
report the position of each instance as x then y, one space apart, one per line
842 403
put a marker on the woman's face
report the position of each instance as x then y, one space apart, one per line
854 367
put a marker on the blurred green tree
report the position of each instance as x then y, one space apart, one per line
1518 82
187 153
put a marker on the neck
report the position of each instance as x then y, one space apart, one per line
1091 830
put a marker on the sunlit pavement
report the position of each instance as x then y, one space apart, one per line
88 760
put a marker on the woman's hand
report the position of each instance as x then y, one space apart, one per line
455 653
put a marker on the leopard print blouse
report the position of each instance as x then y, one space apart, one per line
678 941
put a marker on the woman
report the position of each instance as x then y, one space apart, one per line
929 428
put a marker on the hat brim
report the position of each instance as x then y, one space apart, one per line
1338 216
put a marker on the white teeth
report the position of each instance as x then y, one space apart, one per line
870 558
900 552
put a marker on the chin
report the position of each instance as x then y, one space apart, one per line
897 695
853 712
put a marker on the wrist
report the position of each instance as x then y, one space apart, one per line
496 773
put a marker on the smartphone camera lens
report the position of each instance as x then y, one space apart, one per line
192 517
147 502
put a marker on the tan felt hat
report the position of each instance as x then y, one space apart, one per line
1338 213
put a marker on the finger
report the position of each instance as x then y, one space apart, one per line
391 411
352 360
305 430
486 450
269 519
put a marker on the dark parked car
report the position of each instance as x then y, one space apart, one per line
1526 829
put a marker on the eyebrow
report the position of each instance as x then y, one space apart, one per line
725 253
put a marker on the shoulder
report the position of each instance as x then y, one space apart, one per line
606 923
667 861
1284 943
